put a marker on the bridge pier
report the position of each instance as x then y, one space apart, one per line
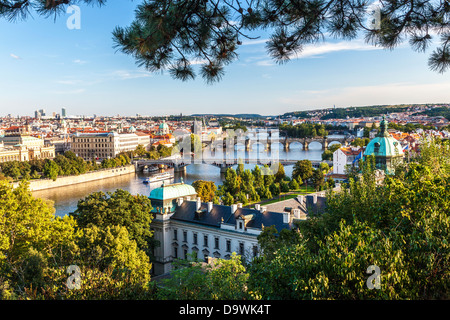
325 144
224 168
179 169
247 145
305 145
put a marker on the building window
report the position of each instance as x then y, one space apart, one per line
228 245
185 236
216 242
175 234
195 238
205 240
255 250
240 225
175 252
185 253
241 248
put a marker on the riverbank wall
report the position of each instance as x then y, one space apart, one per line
42 184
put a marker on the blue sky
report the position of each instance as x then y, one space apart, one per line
43 64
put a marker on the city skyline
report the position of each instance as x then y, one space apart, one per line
48 66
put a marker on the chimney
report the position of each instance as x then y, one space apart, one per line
257 206
296 213
210 206
199 203
179 201
233 208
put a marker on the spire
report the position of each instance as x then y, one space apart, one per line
383 128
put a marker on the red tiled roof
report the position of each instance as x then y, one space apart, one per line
351 152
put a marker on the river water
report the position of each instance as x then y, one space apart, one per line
66 198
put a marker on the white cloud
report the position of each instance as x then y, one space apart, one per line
265 63
78 61
315 50
127 74
198 61
15 56
254 41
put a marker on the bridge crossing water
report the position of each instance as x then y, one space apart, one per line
179 164
66 198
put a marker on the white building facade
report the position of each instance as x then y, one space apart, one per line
190 227
106 145
344 157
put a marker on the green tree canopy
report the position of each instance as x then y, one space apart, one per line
206 190
220 280
231 182
32 240
302 169
401 225
37 247
280 174
51 169
318 179
118 208
11 169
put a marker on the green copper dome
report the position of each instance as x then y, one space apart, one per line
163 125
172 191
384 145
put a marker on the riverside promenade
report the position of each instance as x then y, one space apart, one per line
63 181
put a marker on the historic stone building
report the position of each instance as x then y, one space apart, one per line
104 145
184 225
24 147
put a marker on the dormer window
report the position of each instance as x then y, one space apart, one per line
240 224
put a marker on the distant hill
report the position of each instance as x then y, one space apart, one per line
240 115
436 112
363 111
360 112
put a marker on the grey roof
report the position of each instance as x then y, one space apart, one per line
306 204
187 212
280 206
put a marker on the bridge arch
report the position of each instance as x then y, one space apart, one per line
295 145
278 145
257 146
239 146
315 145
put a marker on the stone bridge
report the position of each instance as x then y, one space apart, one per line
271 141
180 164
324 141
